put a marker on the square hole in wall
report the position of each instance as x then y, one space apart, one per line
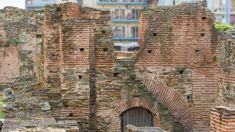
82 49
189 96
80 76
71 115
149 51
202 34
181 71
197 51
115 74
105 49
155 34
103 31
38 36
204 18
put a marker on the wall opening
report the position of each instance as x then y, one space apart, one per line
137 116
103 31
105 49
204 18
115 74
154 34
149 51
82 49
197 51
71 115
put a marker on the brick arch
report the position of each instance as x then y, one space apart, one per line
135 102
172 100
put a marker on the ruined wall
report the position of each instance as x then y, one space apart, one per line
18 40
222 118
177 49
71 35
70 39
175 74
226 69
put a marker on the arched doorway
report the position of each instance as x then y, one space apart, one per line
136 116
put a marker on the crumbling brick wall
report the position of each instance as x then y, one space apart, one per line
174 74
18 31
226 69
177 49
222 116
71 35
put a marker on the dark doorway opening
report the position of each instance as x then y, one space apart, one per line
137 116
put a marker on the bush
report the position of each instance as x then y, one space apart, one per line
223 27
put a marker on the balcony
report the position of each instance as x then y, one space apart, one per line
125 38
124 21
120 2
125 16
123 33
37 5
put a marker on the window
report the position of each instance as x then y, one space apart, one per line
134 32
29 1
119 31
118 14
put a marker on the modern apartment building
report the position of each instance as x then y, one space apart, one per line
39 4
224 9
124 16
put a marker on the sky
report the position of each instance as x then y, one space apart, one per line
15 3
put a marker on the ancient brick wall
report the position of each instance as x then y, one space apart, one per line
18 42
176 75
71 35
177 49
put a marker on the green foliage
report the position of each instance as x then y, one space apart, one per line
223 27
2 113
140 85
14 41
214 59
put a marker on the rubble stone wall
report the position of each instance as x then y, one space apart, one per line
222 117
18 41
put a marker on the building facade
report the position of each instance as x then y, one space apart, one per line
224 9
124 17
39 4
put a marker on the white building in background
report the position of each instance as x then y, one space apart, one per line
39 4
124 17
64 1
224 9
